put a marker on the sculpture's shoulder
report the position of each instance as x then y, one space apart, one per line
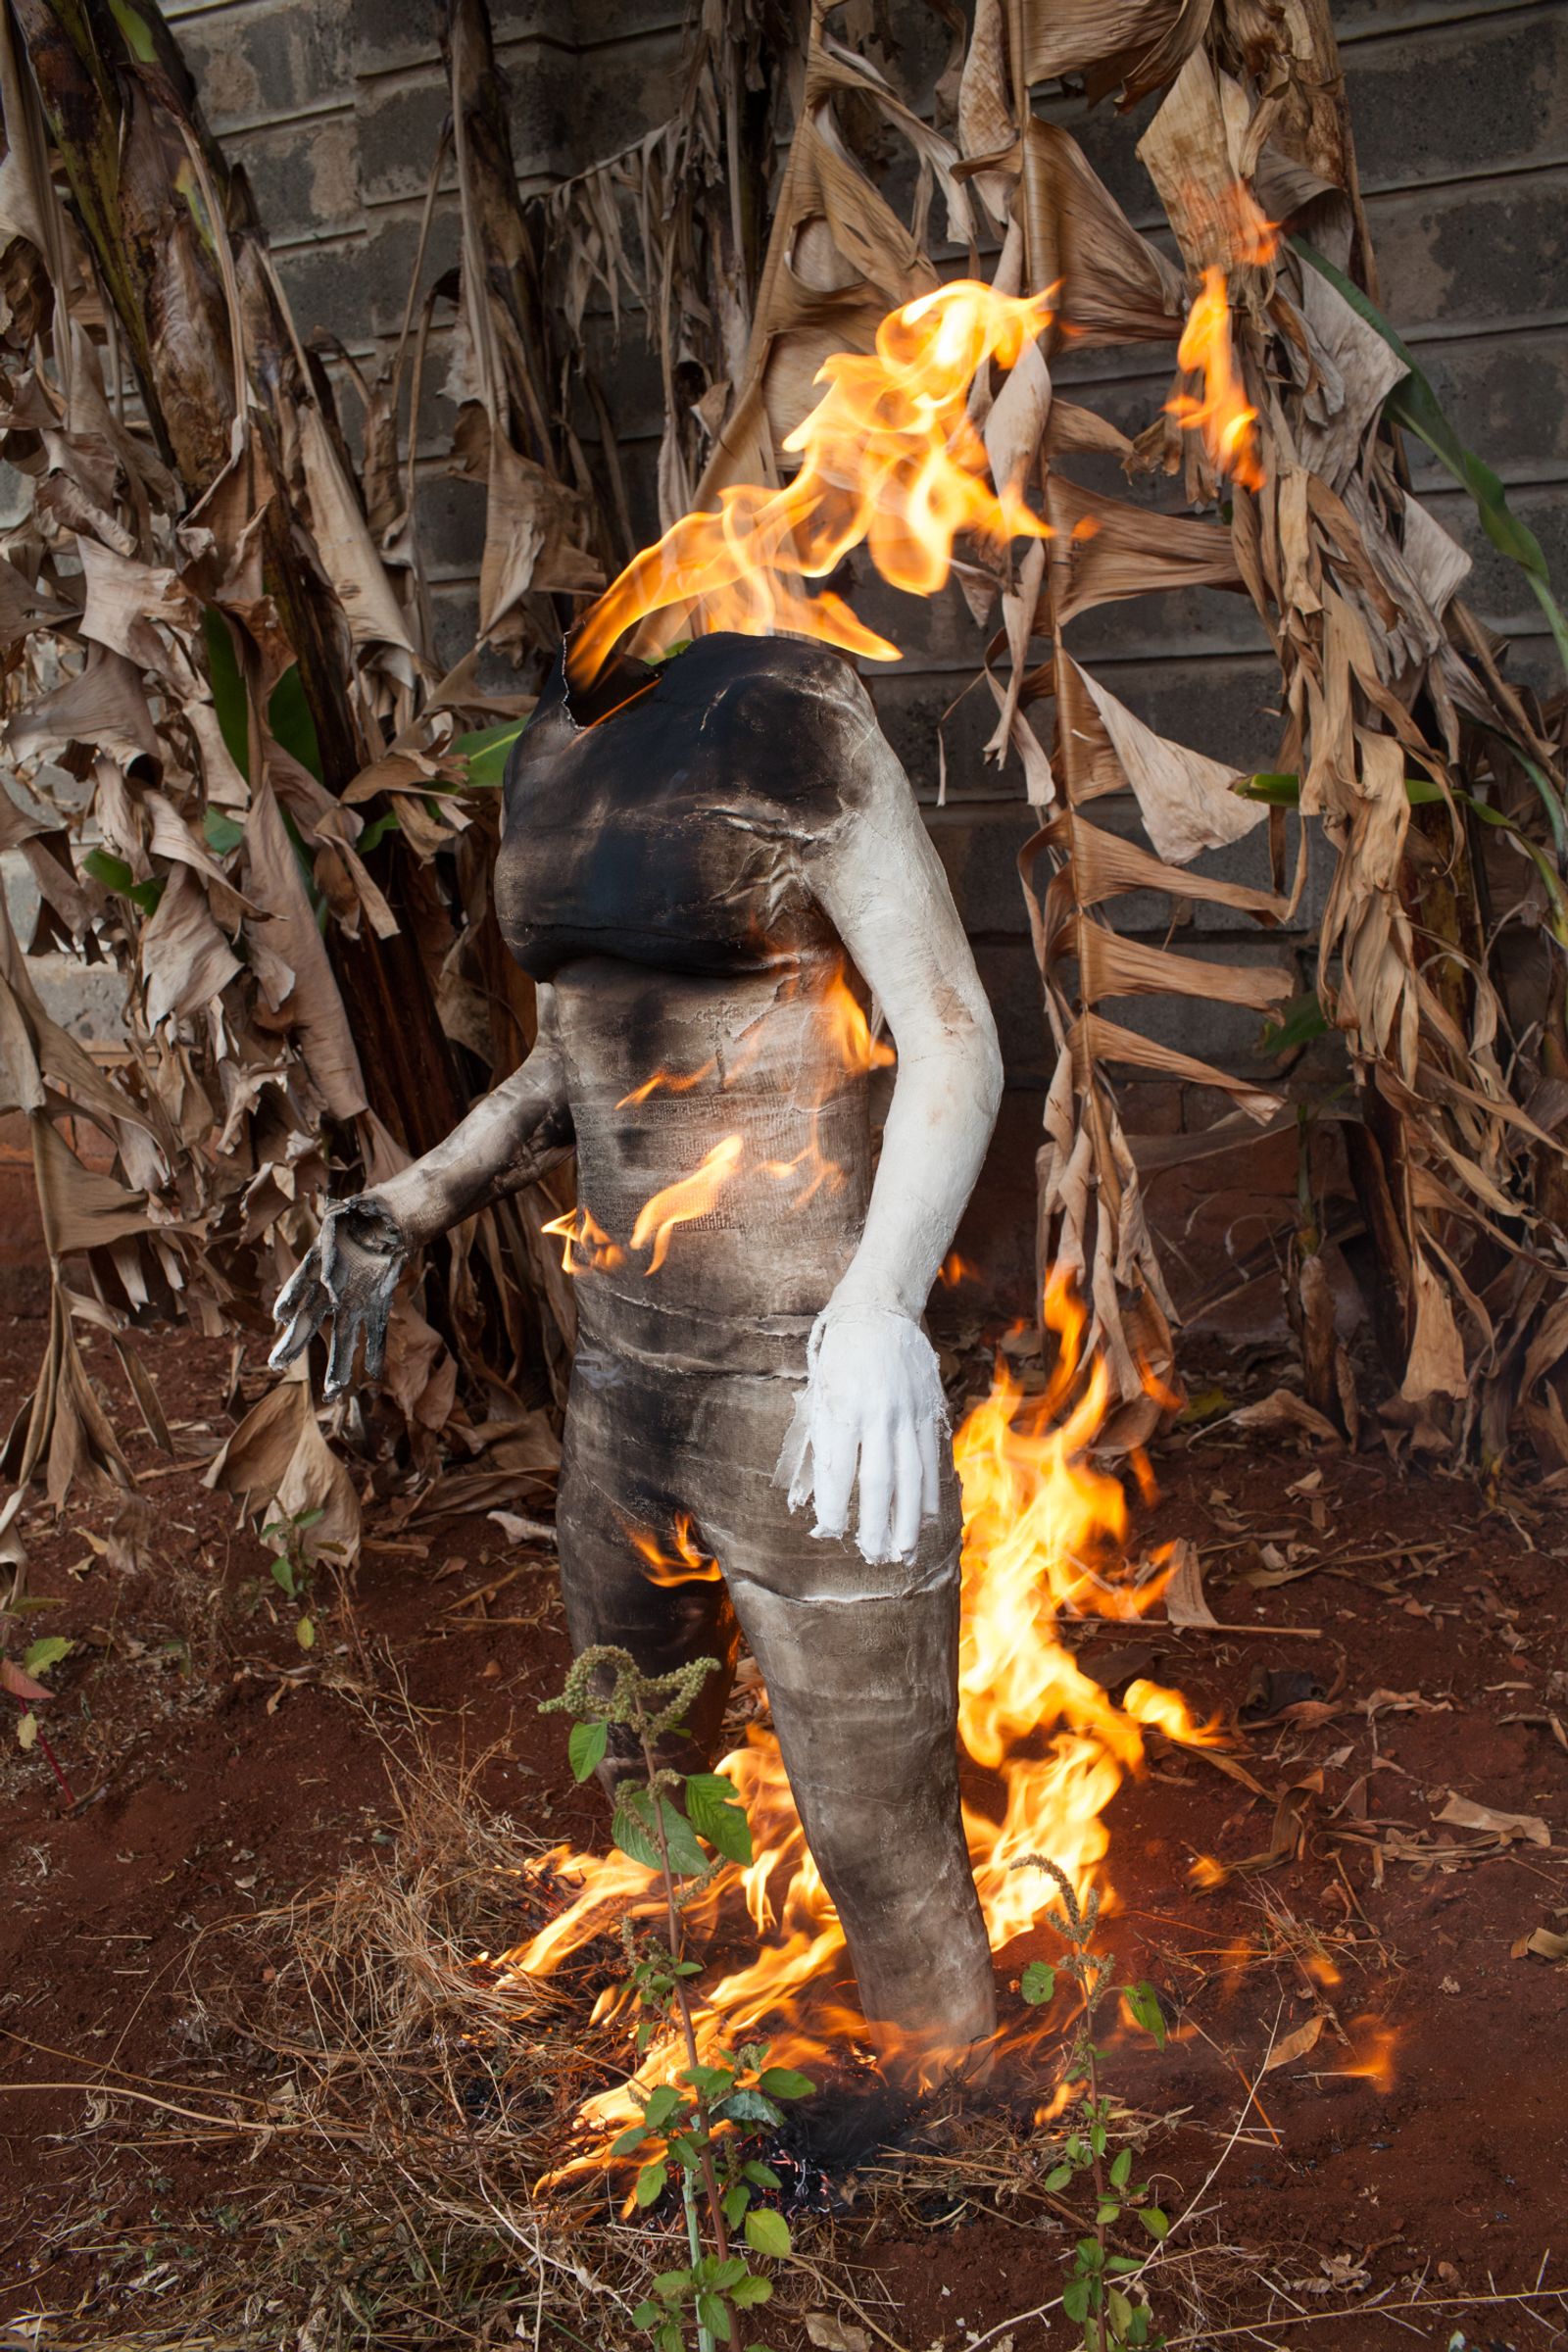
773 730
790 718
755 682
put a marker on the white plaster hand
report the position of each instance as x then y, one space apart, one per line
872 1407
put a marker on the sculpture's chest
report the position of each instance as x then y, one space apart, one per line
661 866
670 833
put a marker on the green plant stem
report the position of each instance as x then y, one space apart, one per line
1098 2342
705 2336
715 2211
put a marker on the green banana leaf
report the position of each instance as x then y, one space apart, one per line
1285 792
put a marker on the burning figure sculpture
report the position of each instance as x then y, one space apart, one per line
696 856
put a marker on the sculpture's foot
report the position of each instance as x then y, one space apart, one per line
917 2059
923 1967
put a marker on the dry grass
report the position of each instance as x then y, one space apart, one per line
397 2111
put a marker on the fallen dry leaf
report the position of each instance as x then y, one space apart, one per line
1296 2044
835 2336
518 1529
1401 1702
1185 1603
1342 2274
1466 1814
1543 1943
279 1460
1283 1413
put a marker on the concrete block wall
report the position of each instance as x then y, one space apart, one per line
1460 107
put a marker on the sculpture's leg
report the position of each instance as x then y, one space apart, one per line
861 1665
862 1671
619 1477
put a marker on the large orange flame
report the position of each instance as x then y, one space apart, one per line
690 1566
586 1246
888 456
1044 1536
847 1030
1221 413
687 1198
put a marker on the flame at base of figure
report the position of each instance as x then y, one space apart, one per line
1043 1537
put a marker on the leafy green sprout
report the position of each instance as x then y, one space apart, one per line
684 1825
50 1650
294 1568
1095 2296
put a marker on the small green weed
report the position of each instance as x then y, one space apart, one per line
294 1568
684 1825
1096 2296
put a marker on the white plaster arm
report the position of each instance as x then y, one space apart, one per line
520 1130
872 1409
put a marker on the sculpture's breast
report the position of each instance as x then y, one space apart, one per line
668 831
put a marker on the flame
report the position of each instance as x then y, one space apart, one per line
689 1197
586 1247
664 1082
689 1567
888 456
1253 237
954 1269
843 1042
694 1196
1043 1537
1222 415
1373 2045
847 1030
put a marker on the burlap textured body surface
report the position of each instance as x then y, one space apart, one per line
753 1248
860 1663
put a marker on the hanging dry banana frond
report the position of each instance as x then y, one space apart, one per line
1128 48
538 530
675 223
1285 373
1388 689
1090 1215
839 257
1112 286
220 706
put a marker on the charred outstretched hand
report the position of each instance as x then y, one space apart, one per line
347 1276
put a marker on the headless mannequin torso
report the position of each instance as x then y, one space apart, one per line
695 858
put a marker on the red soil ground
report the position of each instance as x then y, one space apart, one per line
218 1768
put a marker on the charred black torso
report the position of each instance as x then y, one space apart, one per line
660 819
